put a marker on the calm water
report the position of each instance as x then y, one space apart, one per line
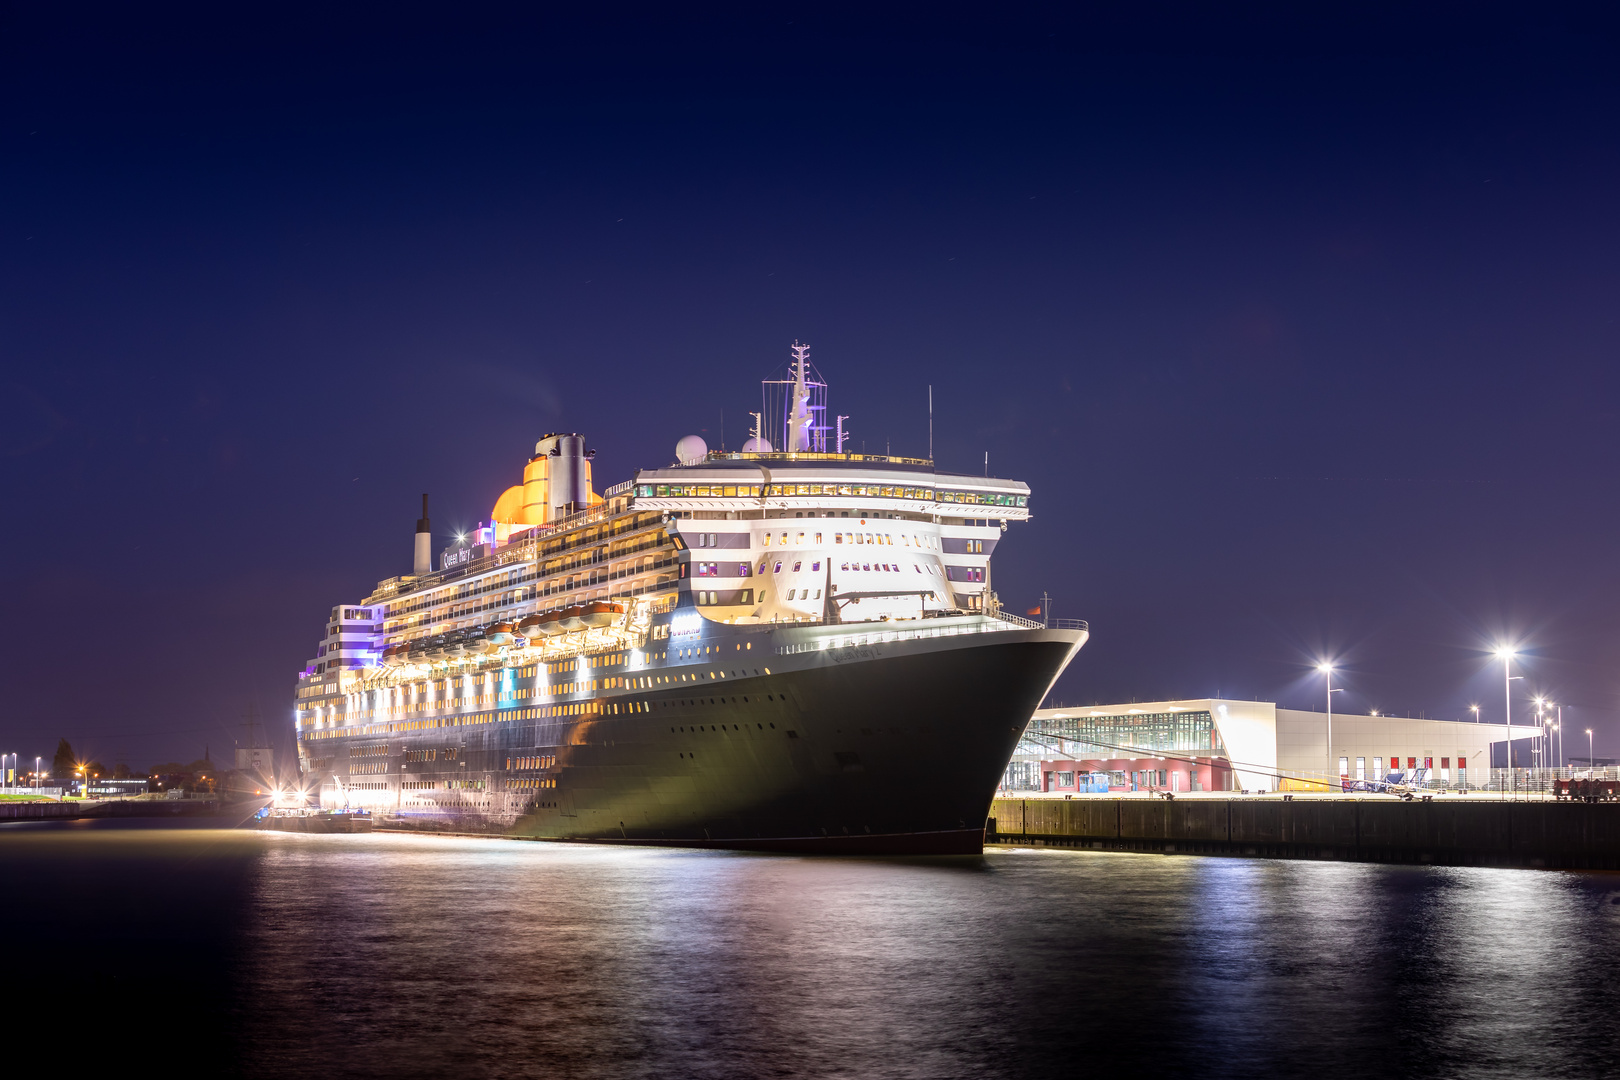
391 956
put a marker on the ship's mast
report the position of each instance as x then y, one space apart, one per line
799 413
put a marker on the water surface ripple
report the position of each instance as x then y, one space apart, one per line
272 955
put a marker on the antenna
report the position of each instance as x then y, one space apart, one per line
841 435
987 463
797 407
722 431
759 424
930 422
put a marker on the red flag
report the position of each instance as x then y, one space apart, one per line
1033 611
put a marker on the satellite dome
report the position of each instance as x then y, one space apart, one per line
691 450
757 445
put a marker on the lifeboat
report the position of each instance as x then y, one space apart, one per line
475 642
551 623
499 634
530 627
571 619
454 645
435 649
395 654
601 613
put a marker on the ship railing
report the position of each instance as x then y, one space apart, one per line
1031 624
812 455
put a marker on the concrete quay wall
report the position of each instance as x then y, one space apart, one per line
119 808
1461 832
38 811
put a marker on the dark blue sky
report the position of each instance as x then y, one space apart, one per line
1301 326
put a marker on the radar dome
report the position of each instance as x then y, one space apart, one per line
691 450
756 445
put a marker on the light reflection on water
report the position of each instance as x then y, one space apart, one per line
396 956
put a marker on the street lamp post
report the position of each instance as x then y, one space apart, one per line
1559 727
1539 754
1507 702
1327 673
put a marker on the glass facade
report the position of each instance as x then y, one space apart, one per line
1022 776
1190 731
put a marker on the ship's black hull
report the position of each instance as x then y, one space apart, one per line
893 752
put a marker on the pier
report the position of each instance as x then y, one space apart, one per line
64 810
1461 831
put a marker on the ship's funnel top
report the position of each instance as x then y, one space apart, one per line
565 467
422 522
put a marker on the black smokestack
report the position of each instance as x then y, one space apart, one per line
423 562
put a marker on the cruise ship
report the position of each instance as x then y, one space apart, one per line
784 647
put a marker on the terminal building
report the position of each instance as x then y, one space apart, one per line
1212 744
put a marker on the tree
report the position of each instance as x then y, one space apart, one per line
65 760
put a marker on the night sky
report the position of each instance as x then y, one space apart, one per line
1302 327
